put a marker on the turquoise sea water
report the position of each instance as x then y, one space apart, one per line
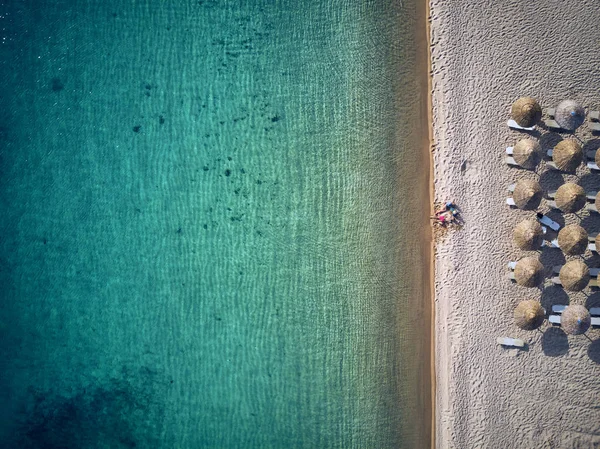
204 219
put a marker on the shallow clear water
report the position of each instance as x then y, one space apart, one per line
204 219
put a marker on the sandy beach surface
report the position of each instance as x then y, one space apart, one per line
485 55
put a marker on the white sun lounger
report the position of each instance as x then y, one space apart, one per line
551 164
594 118
551 123
594 272
558 308
592 162
511 187
591 196
511 276
556 280
554 319
592 166
512 124
549 153
509 151
592 247
511 161
592 283
512 265
511 202
506 341
547 221
552 204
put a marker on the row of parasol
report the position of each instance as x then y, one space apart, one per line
567 155
527 194
568 115
529 235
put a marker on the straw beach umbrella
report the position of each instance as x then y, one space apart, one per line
569 115
574 276
528 235
529 315
575 319
527 153
597 157
526 111
570 197
597 201
597 242
573 240
529 272
567 155
527 194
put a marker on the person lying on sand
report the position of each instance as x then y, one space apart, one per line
448 207
444 217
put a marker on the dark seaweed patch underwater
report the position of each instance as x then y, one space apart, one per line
118 413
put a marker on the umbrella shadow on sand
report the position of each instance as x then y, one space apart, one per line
552 296
555 342
594 351
593 300
551 180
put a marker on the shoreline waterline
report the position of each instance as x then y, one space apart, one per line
427 196
429 150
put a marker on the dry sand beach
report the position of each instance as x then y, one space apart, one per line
485 55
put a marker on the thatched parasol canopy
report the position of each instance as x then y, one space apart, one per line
597 201
570 197
569 115
526 111
527 153
575 320
597 157
528 194
528 235
597 242
574 275
529 315
567 155
529 272
573 239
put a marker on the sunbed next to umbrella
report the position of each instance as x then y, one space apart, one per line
573 240
526 194
525 113
568 115
529 315
527 153
574 276
567 155
528 235
529 272
575 319
570 198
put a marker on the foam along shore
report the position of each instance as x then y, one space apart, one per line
484 57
